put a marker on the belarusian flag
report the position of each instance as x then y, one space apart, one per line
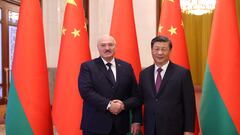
220 105
28 110
67 103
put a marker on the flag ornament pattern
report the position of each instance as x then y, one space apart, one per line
171 25
219 113
74 50
28 110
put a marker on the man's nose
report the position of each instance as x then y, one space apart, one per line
160 52
107 47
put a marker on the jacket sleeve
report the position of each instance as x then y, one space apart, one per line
137 112
189 102
133 101
87 92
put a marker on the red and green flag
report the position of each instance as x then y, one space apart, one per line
171 25
220 103
28 109
74 50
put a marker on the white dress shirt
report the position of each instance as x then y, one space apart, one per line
164 69
113 66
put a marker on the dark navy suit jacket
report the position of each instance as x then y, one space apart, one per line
171 111
97 90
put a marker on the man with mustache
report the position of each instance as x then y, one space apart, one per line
109 90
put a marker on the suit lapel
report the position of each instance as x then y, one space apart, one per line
152 80
100 64
119 71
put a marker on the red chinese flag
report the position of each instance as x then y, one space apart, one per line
171 25
74 50
123 30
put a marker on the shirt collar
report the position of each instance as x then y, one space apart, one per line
164 67
112 62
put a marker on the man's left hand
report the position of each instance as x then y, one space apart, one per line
188 133
136 128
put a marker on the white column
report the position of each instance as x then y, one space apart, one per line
53 11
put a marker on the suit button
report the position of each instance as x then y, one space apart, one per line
156 99
113 87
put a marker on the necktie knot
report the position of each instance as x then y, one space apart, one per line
110 72
159 70
109 64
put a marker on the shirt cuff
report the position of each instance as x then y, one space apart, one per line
109 105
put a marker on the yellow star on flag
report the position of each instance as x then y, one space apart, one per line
72 2
160 28
76 33
85 26
64 31
171 0
182 23
172 30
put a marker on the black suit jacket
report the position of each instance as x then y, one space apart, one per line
171 111
97 90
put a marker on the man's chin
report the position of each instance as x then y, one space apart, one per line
108 54
160 62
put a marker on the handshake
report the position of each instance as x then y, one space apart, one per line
116 106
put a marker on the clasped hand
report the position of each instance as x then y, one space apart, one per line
116 106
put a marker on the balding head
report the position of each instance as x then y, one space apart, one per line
106 38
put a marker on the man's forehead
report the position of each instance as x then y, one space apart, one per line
106 39
161 43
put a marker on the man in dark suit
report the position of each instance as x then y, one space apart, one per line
109 90
167 93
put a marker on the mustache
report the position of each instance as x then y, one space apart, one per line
107 51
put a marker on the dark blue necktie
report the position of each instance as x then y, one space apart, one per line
110 73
